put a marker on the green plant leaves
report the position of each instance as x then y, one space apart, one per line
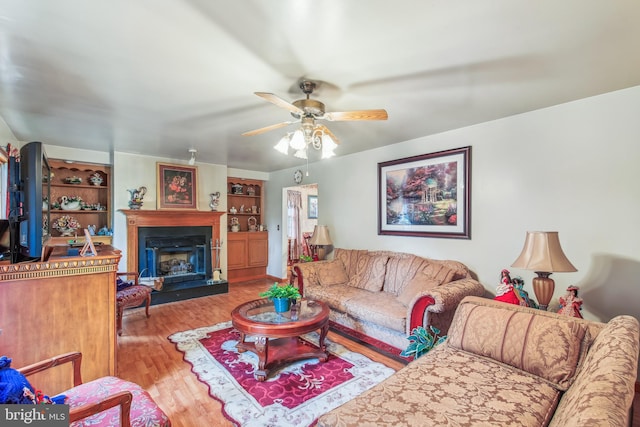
421 341
281 291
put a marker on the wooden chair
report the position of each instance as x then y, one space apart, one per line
103 401
132 296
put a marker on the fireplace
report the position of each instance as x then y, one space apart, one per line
176 254
175 245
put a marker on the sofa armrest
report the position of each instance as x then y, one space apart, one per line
306 274
603 390
436 306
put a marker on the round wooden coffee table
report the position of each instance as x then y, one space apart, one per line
277 336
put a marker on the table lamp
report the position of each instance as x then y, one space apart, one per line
543 254
320 239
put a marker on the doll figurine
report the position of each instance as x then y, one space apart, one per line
505 291
570 304
523 296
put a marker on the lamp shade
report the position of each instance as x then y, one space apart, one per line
320 236
297 141
283 145
542 252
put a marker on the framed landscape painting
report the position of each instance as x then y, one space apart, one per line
427 195
177 186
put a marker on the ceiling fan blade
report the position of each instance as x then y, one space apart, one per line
267 128
275 99
356 115
328 132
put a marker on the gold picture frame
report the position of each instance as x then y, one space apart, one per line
177 186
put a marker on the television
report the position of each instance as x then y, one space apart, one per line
35 173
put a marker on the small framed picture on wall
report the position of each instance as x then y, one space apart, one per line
312 207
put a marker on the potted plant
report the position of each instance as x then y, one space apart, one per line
421 341
281 295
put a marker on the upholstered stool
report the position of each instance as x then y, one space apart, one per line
131 296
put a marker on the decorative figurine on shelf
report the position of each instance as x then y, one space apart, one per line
135 201
215 198
570 304
523 296
505 291
96 179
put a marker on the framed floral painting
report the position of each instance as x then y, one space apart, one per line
177 186
427 195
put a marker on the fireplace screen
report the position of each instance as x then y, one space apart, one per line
175 255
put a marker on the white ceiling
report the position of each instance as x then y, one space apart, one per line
158 77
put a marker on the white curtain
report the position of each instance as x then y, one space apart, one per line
294 205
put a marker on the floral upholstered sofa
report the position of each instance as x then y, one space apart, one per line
506 365
379 296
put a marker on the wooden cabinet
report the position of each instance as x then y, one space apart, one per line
248 247
257 249
247 255
62 305
92 187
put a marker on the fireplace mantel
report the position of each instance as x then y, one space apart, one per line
165 218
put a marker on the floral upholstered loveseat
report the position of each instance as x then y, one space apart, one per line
506 365
379 296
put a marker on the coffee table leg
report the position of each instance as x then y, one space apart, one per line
321 344
239 347
262 349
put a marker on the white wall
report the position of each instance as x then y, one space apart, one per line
6 136
571 168
89 156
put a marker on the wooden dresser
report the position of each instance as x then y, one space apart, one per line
65 304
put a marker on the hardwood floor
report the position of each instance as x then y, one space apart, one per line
146 357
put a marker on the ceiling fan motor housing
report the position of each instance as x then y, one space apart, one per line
311 108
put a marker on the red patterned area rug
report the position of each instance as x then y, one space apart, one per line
295 395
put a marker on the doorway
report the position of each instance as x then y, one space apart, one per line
300 216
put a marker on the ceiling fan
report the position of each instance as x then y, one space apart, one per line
307 111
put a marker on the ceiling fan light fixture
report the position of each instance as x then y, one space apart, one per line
327 153
328 145
297 140
301 154
283 145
